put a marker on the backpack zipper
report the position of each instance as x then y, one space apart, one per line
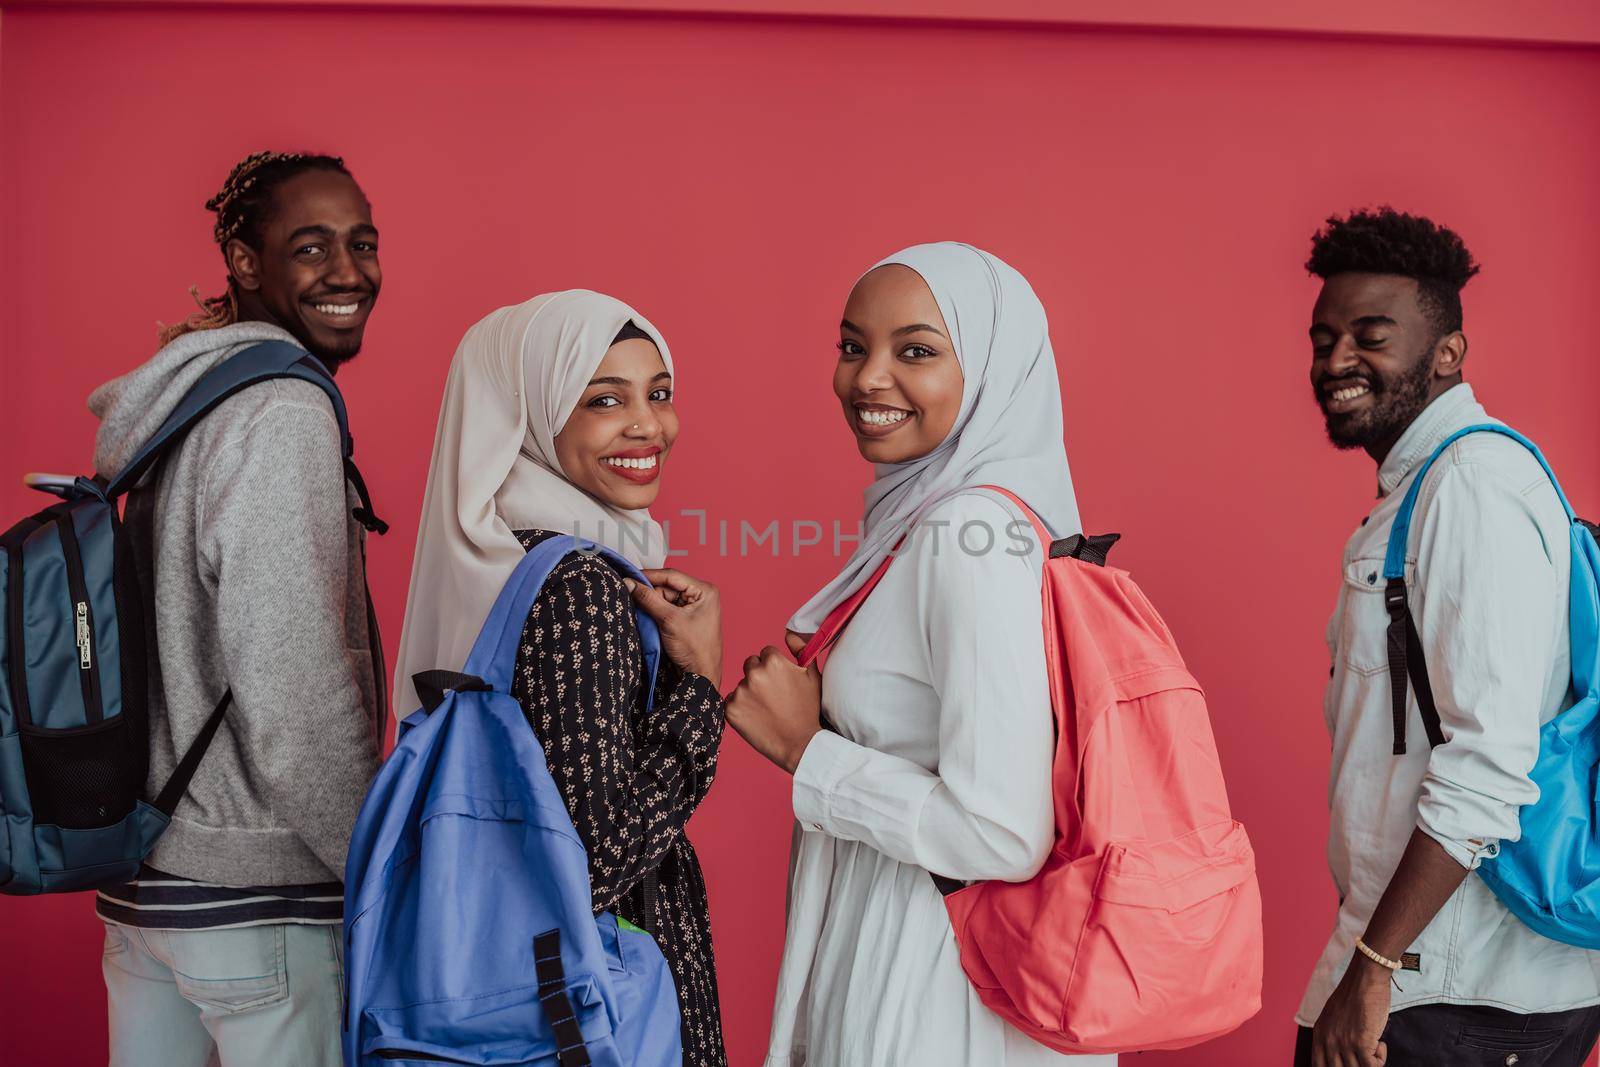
16 654
82 620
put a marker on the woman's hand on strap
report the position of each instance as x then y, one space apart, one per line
688 612
778 706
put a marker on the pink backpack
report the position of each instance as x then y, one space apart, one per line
1143 928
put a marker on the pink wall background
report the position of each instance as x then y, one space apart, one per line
1545 21
731 176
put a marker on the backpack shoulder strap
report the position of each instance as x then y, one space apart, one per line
1406 661
1089 548
1394 561
840 616
494 655
262 362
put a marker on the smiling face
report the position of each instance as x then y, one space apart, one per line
898 377
316 271
1377 360
617 439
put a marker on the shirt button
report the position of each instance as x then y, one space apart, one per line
1372 579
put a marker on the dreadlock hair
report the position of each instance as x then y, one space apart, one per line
242 206
1385 241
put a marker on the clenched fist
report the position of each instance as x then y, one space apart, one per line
778 706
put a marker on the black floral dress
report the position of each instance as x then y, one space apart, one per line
630 779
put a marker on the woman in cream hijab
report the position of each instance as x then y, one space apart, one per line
937 689
558 419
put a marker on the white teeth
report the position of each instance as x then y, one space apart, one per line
1351 393
882 418
644 463
337 309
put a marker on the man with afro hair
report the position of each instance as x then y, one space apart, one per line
1425 965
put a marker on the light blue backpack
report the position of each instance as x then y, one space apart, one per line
470 935
1550 877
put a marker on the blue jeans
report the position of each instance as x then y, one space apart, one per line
258 996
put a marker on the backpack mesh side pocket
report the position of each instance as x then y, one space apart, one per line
82 779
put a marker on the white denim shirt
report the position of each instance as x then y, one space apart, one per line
1487 569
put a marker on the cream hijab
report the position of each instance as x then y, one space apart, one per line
1007 432
515 380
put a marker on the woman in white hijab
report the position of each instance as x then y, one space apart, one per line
558 419
937 690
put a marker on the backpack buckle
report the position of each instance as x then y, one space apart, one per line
1394 598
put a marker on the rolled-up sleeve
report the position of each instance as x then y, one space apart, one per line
1489 606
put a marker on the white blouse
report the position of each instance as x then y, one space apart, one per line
941 763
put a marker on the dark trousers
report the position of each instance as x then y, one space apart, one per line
1462 1035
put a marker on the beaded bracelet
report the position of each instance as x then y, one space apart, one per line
1381 961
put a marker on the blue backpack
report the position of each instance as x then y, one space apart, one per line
1550 877
74 732
470 934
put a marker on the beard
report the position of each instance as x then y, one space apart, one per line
1396 402
336 355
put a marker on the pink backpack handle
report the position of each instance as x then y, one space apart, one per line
840 617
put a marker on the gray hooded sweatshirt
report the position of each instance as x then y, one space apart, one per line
244 532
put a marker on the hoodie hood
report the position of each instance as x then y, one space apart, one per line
131 408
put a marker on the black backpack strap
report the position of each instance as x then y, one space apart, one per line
262 362
363 513
571 1051
1407 664
178 784
1417 669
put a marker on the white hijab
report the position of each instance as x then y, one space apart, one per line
1008 431
514 382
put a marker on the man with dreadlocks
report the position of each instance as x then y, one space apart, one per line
228 945
1425 965
296 279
